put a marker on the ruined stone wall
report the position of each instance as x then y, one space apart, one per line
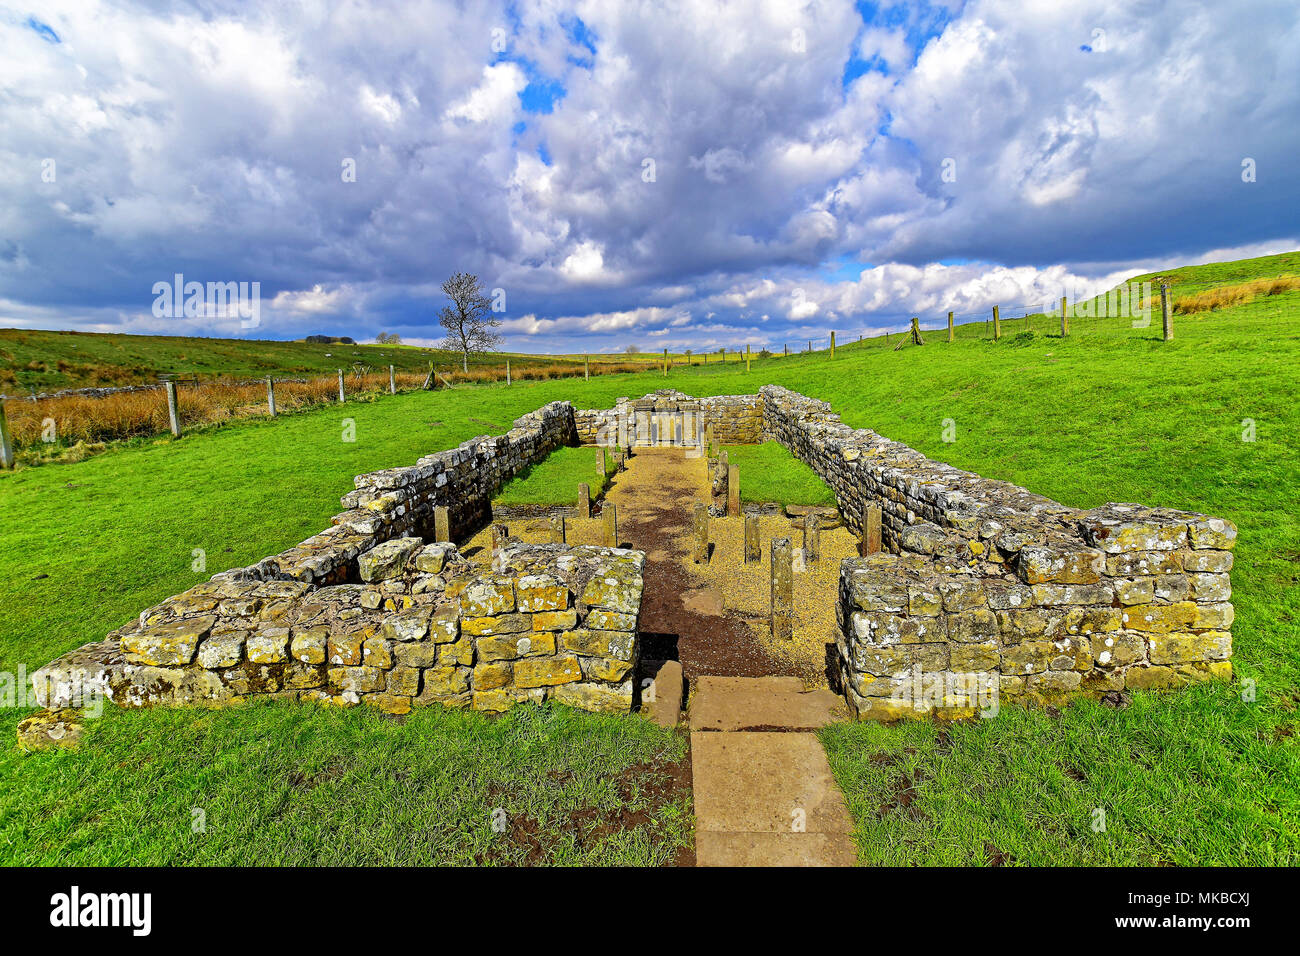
999 590
422 626
401 501
669 418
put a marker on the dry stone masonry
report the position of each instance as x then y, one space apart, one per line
984 592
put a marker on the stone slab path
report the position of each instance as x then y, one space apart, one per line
765 797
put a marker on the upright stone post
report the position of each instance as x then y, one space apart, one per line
6 441
173 409
500 535
701 526
602 463
557 528
270 395
733 491
586 368
949 326
782 590
441 524
870 543
1065 318
609 524
997 325
342 395
752 550
812 537
1166 313
665 363
507 371
392 380
584 501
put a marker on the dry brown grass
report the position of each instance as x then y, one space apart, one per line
1221 297
81 420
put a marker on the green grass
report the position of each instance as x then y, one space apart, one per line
770 473
555 480
288 785
1110 414
40 360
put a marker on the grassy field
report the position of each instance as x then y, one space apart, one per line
770 473
1209 422
42 361
555 480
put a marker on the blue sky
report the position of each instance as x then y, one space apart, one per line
687 174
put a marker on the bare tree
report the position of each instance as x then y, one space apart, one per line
468 320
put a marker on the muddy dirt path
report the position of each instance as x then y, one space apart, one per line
655 498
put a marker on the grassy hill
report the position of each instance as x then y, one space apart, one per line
45 361
1210 775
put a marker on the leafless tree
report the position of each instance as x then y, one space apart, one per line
468 320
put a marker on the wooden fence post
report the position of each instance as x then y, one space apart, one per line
1166 312
997 325
1065 318
342 396
810 346
6 441
584 501
270 395
173 411
916 331
832 345
586 368
665 363
733 491
870 543
609 522
752 552
602 463
782 589
441 524
701 525
392 381
787 349
507 371
949 326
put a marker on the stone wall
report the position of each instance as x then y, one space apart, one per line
401 501
422 626
992 589
669 418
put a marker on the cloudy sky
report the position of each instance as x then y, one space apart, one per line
682 174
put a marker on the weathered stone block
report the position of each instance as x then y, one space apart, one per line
1119 649
881 628
223 649
619 645
387 559
601 698
507 647
555 620
486 597
308 644
1182 648
167 645
1060 564
411 625
492 676
547 671
270 646
441 683
359 680
602 620
501 624
541 592
976 626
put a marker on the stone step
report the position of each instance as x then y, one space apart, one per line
761 703
767 799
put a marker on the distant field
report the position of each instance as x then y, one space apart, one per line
42 361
